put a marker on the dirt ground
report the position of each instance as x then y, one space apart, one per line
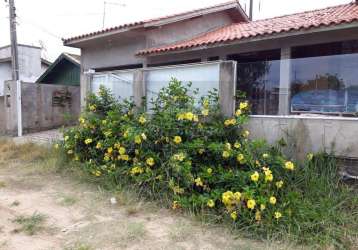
78 215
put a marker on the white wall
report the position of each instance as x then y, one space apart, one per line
5 74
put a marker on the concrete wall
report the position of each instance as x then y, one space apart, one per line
2 115
38 110
5 74
120 50
308 134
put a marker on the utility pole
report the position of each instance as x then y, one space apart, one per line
251 9
15 63
13 38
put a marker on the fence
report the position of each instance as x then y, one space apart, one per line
43 106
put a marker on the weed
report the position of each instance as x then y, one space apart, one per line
67 200
2 184
135 231
30 224
15 203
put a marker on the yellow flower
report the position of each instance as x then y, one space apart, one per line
310 156
142 120
229 122
244 105
278 215
175 205
189 116
122 150
177 139
137 139
124 157
233 215
195 118
180 117
227 146
106 158
144 137
126 133
81 120
104 122
206 103
279 184
109 150
88 141
179 157
246 133
258 216
198 182
97 173
237 196
93 107
226 154
265 155
137 170
150 161
210 203
228 198
99 145
67 138
240 158
262 207
289 165
251 204
255 176
273 200
205 112
237 145
209 170
238 112
269 178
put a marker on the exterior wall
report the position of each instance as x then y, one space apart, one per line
121 50
2 115
38 111
29 64
5 74
309 134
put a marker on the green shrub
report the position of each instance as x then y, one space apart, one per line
186 153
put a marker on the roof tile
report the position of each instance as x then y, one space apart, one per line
336 15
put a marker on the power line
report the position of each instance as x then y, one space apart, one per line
43 29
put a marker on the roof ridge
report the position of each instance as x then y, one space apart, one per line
306 11
141 22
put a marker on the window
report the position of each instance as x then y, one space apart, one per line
327 81
258 76
120 83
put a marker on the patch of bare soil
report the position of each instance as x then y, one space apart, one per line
79 216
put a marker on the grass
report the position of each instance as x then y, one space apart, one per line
180 231
326 215
2 184
30 224
67 200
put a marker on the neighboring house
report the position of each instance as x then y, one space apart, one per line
291 66
65 70
31 66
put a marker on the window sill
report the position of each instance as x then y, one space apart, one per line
307 117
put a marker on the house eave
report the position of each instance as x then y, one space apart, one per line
256 39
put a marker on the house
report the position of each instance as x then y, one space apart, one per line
31 66
65 70
298 71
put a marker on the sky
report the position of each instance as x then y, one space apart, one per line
44 22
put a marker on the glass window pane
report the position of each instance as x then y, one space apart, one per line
326 84
260 81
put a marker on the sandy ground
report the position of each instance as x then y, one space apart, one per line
80 216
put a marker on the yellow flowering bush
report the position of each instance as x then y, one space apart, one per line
187 151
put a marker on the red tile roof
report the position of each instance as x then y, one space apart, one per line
133 25
342 14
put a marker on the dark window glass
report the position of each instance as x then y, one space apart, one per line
260 81
324 78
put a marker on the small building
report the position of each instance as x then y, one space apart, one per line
31 66
65 70
298 71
